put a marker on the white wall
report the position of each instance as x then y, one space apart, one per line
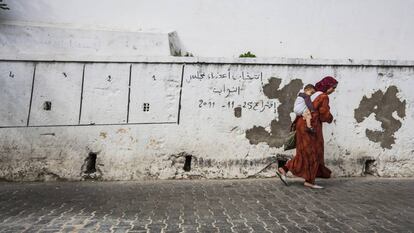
152 144
371 29
98 98
19 40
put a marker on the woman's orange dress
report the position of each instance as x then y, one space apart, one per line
308 162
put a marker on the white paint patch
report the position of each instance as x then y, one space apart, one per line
155 93
59 85
16 83
106 84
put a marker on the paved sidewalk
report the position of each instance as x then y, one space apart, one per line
253 205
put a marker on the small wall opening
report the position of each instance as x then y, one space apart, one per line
47 105
370 167
146 107
187 163
238 112
90 162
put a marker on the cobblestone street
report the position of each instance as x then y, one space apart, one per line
253 205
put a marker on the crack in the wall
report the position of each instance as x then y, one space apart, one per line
280 127
383 105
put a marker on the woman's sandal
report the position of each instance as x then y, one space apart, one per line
282 177
313 186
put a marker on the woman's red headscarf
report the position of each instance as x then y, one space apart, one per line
326 83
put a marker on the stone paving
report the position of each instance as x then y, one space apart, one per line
252 205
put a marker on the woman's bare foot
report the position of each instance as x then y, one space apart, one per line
314 186
281 171
282 175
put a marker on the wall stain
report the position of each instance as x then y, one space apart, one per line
47 134
383 105
281 127
121 130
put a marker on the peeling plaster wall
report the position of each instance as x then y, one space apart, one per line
144 119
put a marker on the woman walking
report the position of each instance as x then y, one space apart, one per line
308 162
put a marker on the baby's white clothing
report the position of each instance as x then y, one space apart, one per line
300 105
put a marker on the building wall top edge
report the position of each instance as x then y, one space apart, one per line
209 60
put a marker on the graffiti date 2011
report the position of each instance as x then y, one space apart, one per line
208 104
259 106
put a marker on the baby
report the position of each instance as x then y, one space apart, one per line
303 106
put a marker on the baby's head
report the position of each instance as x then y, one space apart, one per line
309 89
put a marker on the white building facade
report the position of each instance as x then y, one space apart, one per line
95 89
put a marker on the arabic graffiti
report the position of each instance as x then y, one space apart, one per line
227 91
237 81
244 75
258 106
238 91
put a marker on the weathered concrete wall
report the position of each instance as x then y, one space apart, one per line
331 29
194 117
